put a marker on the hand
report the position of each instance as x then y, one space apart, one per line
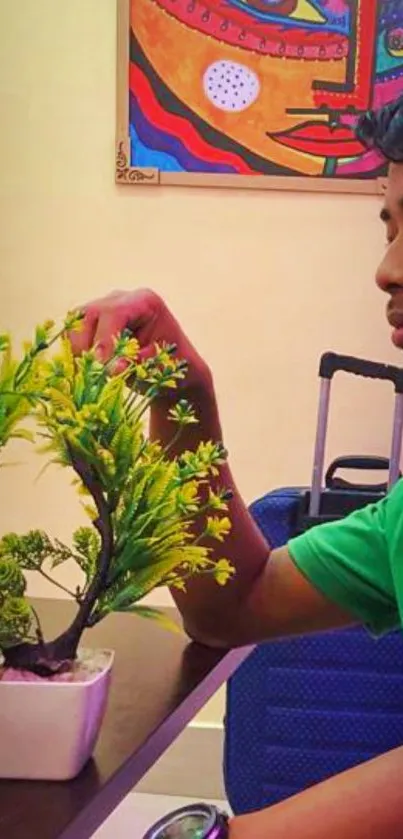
150 321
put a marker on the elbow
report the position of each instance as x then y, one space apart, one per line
207 639
213 634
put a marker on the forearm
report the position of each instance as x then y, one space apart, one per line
208 609
364 803
264 599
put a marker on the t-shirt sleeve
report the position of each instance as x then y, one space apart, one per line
348 562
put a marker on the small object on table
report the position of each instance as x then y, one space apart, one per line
196 821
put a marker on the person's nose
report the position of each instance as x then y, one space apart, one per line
389 276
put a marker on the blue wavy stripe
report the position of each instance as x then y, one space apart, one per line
155 140
141 155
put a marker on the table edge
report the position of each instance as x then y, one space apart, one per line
131 772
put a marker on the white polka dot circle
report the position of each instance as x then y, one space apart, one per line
230 86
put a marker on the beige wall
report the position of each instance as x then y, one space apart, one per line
262 281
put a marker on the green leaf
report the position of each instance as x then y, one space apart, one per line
149 577
87 544
15 621
155 615
135 554
93 422
12 580
23 434
4 342
41 335
182 413
30 550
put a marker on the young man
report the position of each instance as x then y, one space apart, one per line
332 576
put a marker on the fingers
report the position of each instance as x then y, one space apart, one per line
146 353
110 325
119 366
105 319
149 320
82 339
136 311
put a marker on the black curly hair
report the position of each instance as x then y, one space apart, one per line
383 130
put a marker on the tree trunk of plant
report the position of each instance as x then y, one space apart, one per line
47 658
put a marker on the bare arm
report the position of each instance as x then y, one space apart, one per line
268 597
364 803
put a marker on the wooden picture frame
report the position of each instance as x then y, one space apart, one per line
132 175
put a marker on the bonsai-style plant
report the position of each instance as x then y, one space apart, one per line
143 504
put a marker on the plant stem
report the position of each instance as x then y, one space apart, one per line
26 364
65 646
174 440
148 401
198 538
130 401
59 585
54 656
39 633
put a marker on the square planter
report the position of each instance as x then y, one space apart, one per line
48 729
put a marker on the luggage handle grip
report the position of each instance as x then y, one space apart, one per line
366 462
332 362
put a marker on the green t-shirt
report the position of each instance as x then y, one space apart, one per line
358 562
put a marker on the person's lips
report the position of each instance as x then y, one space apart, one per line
395 319
321 139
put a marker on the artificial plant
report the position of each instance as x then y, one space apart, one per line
142 503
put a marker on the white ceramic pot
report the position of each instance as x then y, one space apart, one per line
48 729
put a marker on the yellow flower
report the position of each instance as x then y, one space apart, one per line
223 572
188 499
216 502
74 321
188 492
218 528
131 348
141 372
48 325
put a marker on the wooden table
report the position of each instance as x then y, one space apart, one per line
160 682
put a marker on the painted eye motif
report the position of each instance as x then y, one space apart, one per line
230 86
394 41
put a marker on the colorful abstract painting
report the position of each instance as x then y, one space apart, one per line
259 87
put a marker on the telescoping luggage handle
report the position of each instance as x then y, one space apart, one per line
367 462
330 364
